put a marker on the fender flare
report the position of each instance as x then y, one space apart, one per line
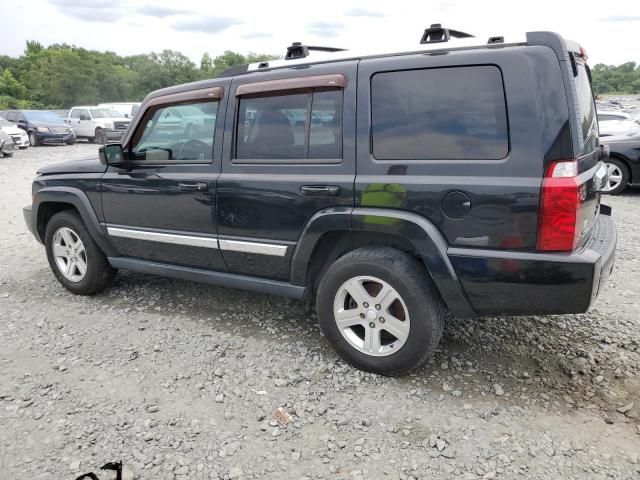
420 232
77 198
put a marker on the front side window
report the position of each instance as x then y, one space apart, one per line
455 113
295 126
75 113
176 132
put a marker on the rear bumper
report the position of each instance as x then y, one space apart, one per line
520 283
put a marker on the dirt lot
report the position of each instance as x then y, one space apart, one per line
181 380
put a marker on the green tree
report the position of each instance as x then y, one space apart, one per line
11 87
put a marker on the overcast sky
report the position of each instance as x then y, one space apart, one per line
609 30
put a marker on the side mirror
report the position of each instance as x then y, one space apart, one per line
112 154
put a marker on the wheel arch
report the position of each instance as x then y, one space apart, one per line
51 200
334 232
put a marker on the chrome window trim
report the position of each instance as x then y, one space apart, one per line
189 240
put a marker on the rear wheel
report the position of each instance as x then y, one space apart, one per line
75 259
100 137
380 311
618 176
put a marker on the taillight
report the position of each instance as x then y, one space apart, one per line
560 201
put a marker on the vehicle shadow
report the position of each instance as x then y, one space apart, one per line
552 360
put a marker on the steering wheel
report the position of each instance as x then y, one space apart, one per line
192 150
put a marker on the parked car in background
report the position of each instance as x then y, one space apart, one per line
97 124
193 121
627 126
6 145
608 116
19 136
126 109
42 126
623 162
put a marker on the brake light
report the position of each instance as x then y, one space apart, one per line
560 200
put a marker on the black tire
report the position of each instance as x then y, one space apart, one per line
71 143
411 281
100 137
33 140
99 274
624 170
9 154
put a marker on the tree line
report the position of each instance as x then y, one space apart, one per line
61 75
623 79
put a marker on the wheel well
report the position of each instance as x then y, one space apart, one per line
624 160
46 211
334 245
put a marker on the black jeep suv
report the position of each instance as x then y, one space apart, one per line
393 188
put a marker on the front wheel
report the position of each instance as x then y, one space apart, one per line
618 176
379 309
33 140
8 154
75 259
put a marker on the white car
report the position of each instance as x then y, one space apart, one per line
19 136
628 126
126 109
97 124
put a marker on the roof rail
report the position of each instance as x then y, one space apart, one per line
436 34
298 50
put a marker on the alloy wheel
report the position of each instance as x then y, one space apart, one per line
70 254
372 316
615 177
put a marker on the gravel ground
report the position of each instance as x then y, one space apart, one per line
181 380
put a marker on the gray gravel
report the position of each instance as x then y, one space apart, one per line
181 380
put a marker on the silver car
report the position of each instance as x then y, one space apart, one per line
6 145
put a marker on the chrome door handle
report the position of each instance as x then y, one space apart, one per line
193 187
320 190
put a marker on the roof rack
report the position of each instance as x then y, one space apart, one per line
436 34
298 50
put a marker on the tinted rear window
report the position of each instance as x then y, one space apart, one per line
454 113
587 107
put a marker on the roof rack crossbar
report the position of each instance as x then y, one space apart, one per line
437 34
298 50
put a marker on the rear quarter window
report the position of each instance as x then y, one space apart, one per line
587 110
454 113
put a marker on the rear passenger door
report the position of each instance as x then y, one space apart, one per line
289 153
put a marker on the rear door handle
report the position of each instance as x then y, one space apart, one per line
193 187
320 190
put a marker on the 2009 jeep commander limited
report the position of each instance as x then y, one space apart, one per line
393 187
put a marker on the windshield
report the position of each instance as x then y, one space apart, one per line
104 113
5 123
42 116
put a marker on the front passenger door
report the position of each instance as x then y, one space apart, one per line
161 206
